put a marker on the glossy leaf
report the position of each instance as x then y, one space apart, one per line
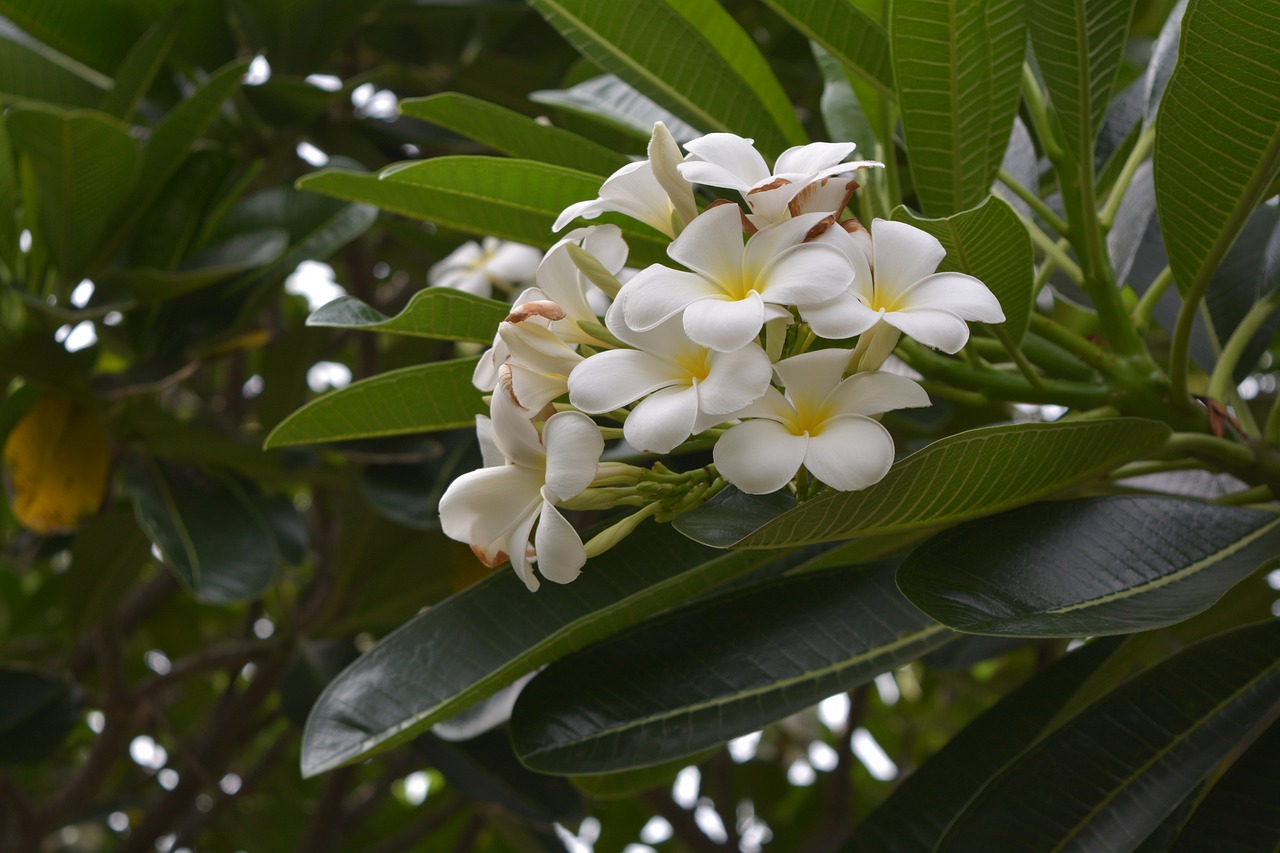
690 56
958 66
85 164
1241 811
1238 148
710 672
436 312
208 529
1107 778
37 711
513 134
960 477
847 33
991 244
436 665
617 102
1079 45
918 811
414 399
1089 567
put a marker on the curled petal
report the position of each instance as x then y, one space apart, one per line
850 453
962 295
941 330
826 195
483 507
544 308
514 435
610 380
759 456
574 446
842 317
875 393
813 158
724 160
662 420
664 155
519 551
657 293
725 325
532 390
561 555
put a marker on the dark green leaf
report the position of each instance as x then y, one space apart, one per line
33 74
842 113
436 312
846 32
512 133
208 529
964 476
36 712
1221 110
1250 270
217 263
1089 567
106 556
1164 56
421 398
134 76
690 56
1242 810
991 244
93 32
702 675
958 64
1108 777
476 642
617 103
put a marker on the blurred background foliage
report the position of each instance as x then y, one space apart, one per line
172 598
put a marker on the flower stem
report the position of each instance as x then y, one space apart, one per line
1003 386
1056 222
1141 149
1019 358
1054 251
1080 347
1221 382
1146 307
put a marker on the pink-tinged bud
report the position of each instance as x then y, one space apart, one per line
543 308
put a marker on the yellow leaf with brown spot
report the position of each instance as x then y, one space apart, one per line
56 462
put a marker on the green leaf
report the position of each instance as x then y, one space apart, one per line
37 711
33 73
958 67
106 556
10 192
842 113
964 476
134 76
847 33
476 642
1221 111
618 103
1241 811
1090 567
991 244
919 810
421 398
1079 45
513 134
208 529
1107 778
85 164
436 312
90 31
704 674
690 56
215 264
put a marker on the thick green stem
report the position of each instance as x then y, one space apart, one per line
1055 252
1146 307
1002 386
1141 149
1056 222
1220 384
1024 366
1081 348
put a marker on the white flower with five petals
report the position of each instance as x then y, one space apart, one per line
822 423
478 267
494 509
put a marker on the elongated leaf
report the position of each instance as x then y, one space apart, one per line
1164 57
421 398
699 676
847 33
1222 108
1088 568
1249 271
37 710
437 312
619 103
690 56
33 73
964 476
1020 162
1138 206
10 192
89 31
106 556
218 263
1242 811
85 164
512 133
1079 45
842 112
1107 778
919 810
991 244
957 64
476 642
134 76
208 529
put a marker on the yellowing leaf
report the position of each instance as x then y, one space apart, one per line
56 461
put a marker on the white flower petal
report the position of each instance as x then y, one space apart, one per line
735 380
723 160
850 453
537 347
658 292
513 262
941 330
808 274
610 380
662 420
589 209
561 554
514 435
773 204
875 393
533 390
812 158
725 325
759 456
518 548
483 506
712 244
842 317
489 451
665 157
770 241
903 255
808 378
962 295
825 195
574 446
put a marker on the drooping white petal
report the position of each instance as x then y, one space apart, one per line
962 295
808 378
842 317
574 446
941 330
876 393
489 451
759 456
537 347
518 547
484 506
610 380
561 554
712 244
808 274
735 379
771 202
658 292
812 158
589 209
662 420
725 325
904 254
850 453
514 435
533 390
633 190
724 160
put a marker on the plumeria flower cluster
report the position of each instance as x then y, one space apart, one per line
763 341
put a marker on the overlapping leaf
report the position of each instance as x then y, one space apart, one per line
845 31
436 312
616 102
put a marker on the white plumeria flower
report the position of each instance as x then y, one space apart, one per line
478 267
686 388
651 191
894 282
798 183
539 361
560 280
822 423
734 289
494 509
